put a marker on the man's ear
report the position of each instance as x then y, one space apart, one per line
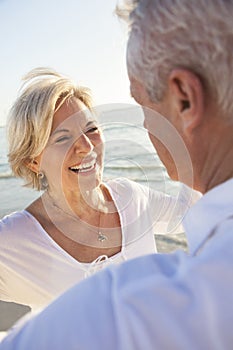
188 95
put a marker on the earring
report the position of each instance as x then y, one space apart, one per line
40 175
43 184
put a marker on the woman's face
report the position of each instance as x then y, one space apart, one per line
73 157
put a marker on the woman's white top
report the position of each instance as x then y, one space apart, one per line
34 269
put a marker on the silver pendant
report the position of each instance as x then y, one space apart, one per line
102 237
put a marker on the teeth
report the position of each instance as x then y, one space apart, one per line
84 166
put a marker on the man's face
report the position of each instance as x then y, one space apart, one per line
159 129
164 127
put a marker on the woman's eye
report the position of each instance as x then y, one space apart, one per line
61 139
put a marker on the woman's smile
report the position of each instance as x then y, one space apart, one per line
85 167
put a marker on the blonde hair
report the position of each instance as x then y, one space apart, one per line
194 35
31 116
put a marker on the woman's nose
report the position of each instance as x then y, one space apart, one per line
83 144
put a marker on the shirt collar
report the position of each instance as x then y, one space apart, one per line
215 206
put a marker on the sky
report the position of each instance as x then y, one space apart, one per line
83 39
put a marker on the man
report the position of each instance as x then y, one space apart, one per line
180 66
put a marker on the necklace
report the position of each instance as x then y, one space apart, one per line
100 236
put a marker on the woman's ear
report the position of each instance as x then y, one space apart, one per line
33 165
188 96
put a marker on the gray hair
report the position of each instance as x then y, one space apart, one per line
168 34
31 116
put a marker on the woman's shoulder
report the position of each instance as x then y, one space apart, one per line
129 193
122 184
14 216
15 222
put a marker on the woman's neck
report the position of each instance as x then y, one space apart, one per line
83 205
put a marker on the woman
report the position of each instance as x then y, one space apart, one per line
78 224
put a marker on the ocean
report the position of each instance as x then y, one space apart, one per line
128 153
